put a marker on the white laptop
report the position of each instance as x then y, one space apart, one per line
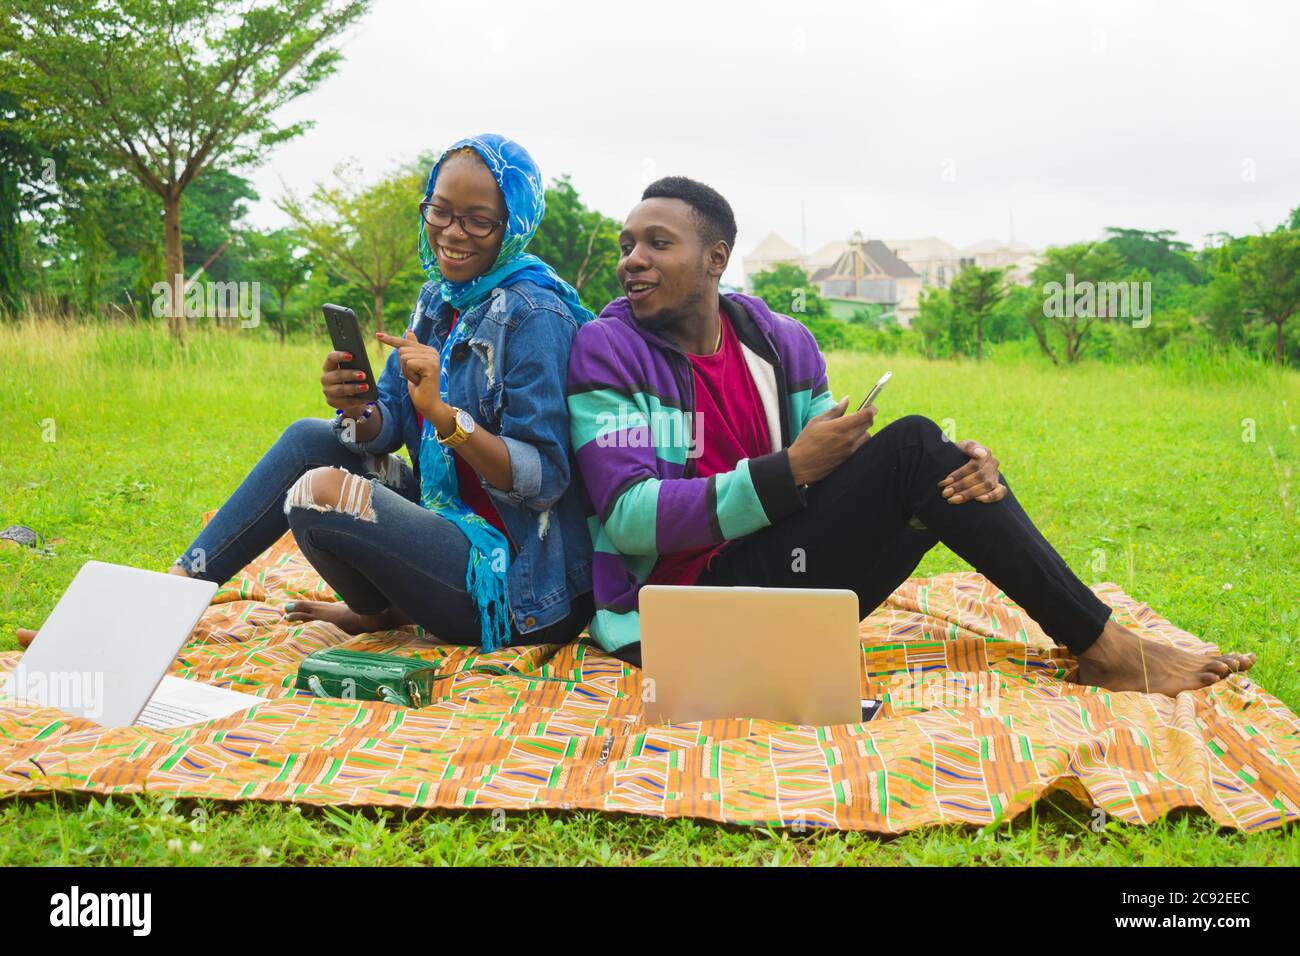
108 642
785 654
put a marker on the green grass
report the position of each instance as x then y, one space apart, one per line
1138 475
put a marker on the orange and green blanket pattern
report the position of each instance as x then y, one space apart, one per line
979 722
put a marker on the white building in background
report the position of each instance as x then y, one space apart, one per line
889 273
1017 258
866 272
937 262
849 275
770 252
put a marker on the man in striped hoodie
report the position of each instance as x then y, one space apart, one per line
712 452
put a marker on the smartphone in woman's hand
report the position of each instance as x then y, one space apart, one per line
345 332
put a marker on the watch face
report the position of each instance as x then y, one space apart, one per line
464 420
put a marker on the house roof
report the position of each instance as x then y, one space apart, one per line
927 247
865 260
993 245
774 249
828 253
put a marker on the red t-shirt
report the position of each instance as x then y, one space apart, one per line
732 426
472 491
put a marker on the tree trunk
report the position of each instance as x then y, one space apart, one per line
1277 348
979 339
174 256
379 310
10 258
284 317
1041 336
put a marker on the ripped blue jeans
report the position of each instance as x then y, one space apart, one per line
385 552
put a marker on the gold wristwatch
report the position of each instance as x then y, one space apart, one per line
464 428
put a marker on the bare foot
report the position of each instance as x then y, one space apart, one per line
1121 660
178 569
342 616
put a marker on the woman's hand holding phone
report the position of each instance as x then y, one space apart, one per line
344 388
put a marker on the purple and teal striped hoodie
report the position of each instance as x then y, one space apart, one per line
631 396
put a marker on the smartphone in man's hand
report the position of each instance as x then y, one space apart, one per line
871 396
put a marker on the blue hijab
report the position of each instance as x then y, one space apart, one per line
520 182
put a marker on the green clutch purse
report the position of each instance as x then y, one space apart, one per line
408 681
357 675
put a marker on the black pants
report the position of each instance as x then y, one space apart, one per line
858 532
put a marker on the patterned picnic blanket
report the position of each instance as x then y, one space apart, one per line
979 721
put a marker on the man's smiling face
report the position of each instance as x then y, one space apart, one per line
663 264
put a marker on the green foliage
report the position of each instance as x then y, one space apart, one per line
787 289
1062 333
213 207
1221 301
278 261
165 90
934 323
975 294
871 315
1155 251
834 335
365 233
580 244
1270 280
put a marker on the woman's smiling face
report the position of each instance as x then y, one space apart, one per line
465 187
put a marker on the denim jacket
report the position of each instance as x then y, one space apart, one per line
509 373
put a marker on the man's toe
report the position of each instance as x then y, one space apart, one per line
1219 667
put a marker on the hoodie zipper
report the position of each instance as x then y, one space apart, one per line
682 365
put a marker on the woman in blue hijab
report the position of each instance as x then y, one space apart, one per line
482 540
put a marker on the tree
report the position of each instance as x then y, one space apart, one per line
786 288
26 182
872 315
276 259
1221 296
1080 265
168 89
1270 280
580 244
933 322
976 293
365 235
1155 251
214 207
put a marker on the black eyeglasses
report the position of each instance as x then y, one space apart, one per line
480 227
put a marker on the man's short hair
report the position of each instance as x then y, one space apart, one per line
713 213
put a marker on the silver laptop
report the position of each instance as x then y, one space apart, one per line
108 642
785 654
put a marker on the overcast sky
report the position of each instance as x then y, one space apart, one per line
898 119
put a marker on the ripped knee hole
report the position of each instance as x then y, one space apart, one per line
332 489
